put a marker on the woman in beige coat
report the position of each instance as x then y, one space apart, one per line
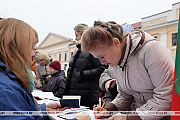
42 68
143 69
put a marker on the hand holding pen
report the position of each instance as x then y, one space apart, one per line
100 112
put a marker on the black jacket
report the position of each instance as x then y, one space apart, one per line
56 84
83 77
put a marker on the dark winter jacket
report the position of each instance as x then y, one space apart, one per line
83 77
56 84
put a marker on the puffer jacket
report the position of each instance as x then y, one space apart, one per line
56 84
83 77
145 72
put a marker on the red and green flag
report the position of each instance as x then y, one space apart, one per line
176 85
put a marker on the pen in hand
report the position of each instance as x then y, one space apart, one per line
102 107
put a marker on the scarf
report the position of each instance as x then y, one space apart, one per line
32 84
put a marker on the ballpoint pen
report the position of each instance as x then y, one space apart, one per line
102 107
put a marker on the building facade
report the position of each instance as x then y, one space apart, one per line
163 26
59 48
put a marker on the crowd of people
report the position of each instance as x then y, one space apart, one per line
133 70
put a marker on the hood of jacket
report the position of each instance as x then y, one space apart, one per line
4 69
134 42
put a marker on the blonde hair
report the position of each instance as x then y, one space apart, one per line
80 28
40 54
17 40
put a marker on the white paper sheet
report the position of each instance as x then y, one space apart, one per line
45 101
44 95
80 112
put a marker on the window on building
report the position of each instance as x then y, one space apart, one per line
65 56
174 39
54 56
65 66
59 57
155 37
71 53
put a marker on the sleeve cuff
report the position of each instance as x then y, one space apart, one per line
111 107
43 107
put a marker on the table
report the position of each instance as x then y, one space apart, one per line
48 97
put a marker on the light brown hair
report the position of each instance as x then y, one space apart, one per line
101 34
17 40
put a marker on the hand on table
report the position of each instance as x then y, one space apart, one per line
118 116
54 106
103 114
83 116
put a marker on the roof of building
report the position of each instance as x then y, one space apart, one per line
60 36
136 25
160 12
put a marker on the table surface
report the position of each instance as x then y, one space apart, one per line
63 117
49 97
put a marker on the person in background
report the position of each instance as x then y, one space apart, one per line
33 63
42 68
56 82
17 40
83 73
143 69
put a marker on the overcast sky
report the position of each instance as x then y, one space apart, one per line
61 16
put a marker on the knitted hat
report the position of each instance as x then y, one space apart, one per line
55 65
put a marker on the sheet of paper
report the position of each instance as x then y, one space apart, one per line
70 116
45 101
44 95
74 109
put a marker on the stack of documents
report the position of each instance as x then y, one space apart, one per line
44 97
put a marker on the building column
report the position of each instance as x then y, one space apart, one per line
164 38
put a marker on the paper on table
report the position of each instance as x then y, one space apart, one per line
93 117
70 116
46 101
44 95
76 109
